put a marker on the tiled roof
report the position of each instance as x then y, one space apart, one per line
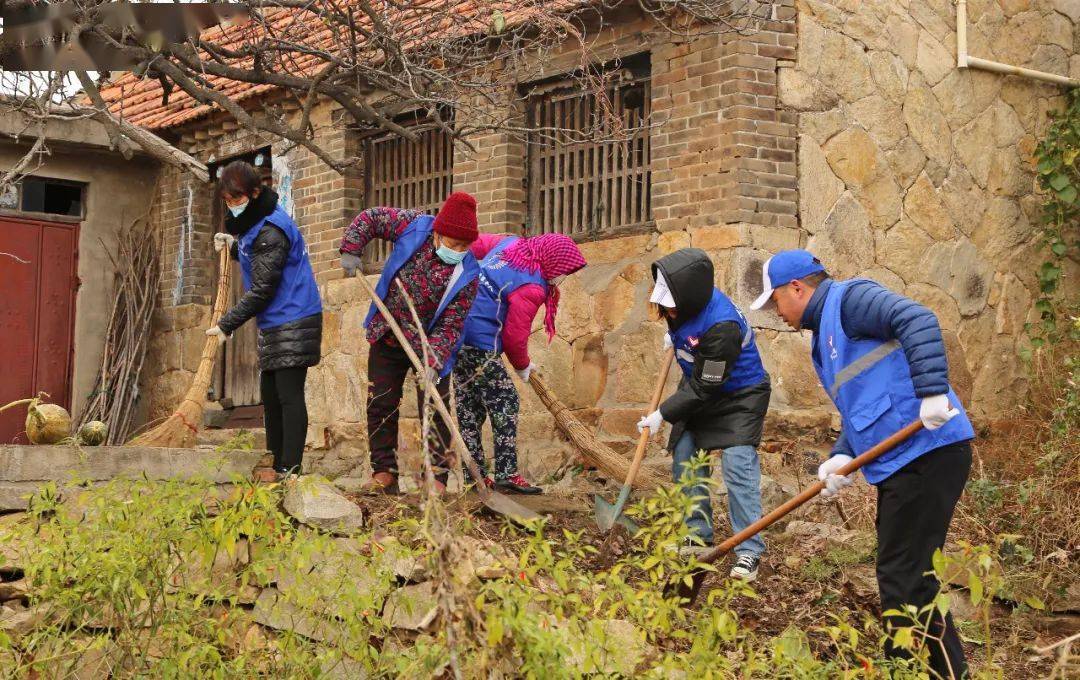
139 100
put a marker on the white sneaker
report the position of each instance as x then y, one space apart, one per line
746 568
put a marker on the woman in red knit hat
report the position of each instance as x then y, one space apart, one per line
431 258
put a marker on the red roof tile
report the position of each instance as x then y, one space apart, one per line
139 100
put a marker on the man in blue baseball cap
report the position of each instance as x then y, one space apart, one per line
881 359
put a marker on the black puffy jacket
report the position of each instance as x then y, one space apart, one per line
291 345
717 419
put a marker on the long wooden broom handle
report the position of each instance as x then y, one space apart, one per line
643 438
224 281
811 491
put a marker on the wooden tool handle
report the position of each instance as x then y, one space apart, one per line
811 491
440 406
643 439
221 302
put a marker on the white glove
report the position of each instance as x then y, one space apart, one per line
667 342
524 373
654 421
935 411
351 264
222 336
826 472
223 240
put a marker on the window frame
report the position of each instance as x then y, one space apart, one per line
430 179
596 169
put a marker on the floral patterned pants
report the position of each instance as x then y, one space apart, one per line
483 387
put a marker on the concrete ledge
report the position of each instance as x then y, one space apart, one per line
24 468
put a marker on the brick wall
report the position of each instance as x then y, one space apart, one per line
183 209
723 170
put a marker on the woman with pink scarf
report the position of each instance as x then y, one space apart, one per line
517 276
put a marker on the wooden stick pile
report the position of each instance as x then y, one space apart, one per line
137 275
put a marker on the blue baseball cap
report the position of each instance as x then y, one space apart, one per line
783 268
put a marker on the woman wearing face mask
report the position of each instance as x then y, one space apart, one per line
281 293
431 259
517 275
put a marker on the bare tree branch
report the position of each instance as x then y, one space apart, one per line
375 59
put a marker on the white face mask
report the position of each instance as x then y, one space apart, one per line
237 209
557 280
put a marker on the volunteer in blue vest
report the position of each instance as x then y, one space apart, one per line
881 359
280 292
517 276
431 259
721 400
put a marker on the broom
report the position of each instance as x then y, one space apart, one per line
592 449
179 429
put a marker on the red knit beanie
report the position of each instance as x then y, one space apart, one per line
457 217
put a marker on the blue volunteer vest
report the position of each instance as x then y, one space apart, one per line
406 245
483 327
297 293
747 371
869 380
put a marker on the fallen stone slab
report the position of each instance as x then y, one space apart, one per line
18 621
412 607
13 590
24 469
314 501
273 610
340 666
391 555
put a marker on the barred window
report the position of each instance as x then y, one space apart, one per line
406 174
588 173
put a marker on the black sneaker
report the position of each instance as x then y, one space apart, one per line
746 568
517 484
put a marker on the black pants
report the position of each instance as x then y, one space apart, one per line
915 506
285 416
387 367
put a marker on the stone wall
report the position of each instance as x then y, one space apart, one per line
841 126
919 175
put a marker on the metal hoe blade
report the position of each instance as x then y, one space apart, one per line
608 515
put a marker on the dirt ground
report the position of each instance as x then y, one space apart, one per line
803 580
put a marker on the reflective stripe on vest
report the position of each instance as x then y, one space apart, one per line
861 364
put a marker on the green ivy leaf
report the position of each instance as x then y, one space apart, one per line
1046 166
1059 181
1068 195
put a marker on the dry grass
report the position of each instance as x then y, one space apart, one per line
1026 480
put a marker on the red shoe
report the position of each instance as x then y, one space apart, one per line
517 484
381 483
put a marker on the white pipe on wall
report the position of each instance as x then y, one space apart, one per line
964 60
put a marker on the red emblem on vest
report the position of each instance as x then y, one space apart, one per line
692 341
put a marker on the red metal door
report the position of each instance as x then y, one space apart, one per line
38 284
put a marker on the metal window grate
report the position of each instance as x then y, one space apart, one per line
405 174
589 164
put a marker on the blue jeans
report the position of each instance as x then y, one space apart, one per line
742 477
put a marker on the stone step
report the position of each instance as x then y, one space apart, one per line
217 437
23 469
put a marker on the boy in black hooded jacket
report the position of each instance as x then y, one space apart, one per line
721 400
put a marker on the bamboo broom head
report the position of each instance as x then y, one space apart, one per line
179 430
592 449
